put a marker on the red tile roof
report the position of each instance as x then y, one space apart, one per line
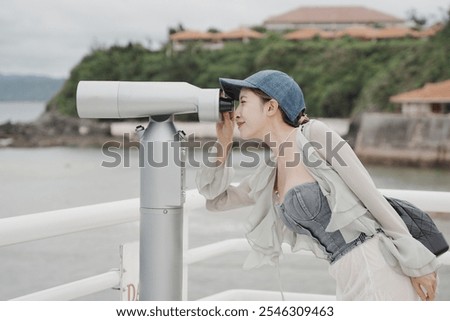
367 33
191 35
330 34
240 33
302 34
430 93
341 14
389 33
429 32
359 32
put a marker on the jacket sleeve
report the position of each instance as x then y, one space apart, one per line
214 183
412 256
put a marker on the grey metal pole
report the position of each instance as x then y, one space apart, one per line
162 196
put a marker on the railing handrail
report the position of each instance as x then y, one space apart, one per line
37 226
31 227
76 289
42 225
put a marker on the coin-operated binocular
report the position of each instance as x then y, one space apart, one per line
162 187
128 99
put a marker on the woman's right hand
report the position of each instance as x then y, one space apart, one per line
224 130
425 286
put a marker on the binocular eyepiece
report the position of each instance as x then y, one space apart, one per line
127 99
225 104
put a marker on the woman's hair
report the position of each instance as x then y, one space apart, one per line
300 120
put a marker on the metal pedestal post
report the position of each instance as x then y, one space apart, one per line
162 198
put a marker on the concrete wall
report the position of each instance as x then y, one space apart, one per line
402 139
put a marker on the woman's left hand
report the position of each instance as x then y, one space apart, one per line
425 286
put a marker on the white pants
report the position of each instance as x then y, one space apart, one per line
363 275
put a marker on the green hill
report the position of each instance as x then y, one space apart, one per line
339 77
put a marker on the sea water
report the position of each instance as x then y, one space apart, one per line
21 111
43 179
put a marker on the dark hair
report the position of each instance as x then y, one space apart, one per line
300 120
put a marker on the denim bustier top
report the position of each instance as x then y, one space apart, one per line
305 210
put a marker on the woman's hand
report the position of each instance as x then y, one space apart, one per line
425 286
224 130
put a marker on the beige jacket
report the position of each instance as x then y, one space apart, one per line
357 206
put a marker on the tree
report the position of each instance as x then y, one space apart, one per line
173 30
213 30
419 21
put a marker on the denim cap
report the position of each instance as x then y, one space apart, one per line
274 83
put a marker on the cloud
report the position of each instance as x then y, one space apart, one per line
51 36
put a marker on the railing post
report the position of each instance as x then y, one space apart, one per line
162 197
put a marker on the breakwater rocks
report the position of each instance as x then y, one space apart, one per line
396 139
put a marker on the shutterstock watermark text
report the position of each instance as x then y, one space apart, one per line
198 153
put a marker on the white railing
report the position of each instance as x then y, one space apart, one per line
25 228
77 289
33 227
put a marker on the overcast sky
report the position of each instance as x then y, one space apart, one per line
49 37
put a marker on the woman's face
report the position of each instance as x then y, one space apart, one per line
250 117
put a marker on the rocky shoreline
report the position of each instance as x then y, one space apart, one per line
54 129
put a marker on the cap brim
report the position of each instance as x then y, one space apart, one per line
232 87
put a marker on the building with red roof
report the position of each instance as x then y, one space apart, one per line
331 18
431 98
211 40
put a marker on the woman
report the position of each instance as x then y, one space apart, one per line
315 195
